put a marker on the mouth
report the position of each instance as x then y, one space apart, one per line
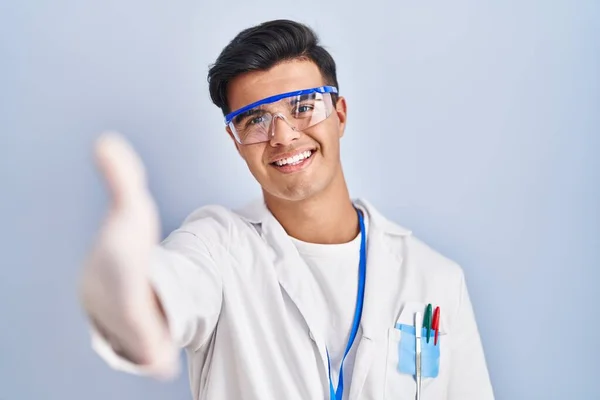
294 162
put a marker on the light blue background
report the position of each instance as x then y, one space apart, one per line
476 124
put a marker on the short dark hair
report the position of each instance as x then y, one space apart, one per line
263 46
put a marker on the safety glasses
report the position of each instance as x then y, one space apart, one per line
300 110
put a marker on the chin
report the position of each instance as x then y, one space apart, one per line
297 191
290 194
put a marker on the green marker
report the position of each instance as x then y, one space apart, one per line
427 320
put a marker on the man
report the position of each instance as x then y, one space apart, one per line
306 294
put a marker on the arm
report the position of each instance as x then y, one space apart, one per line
186 296
144 300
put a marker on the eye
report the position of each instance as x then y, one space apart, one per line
259 119
304 108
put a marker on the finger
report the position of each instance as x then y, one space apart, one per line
121 167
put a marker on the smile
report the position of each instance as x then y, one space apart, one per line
298 158
294 162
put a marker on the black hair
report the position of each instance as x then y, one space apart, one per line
263 46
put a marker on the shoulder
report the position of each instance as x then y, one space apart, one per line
424 258
217 224
430 258
434 270
209 215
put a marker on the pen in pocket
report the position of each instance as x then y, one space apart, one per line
436 324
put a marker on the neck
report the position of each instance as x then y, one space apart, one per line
326 218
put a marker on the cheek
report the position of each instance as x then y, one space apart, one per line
253 155
329 140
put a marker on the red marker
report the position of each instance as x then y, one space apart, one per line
436 324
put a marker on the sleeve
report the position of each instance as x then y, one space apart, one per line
469 376
188 285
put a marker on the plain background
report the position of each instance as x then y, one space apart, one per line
475 124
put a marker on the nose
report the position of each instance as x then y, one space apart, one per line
282 133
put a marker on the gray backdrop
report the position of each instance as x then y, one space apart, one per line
473 123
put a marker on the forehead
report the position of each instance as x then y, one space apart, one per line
284 77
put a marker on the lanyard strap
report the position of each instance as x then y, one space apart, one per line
362 270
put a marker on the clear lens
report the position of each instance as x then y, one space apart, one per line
300 113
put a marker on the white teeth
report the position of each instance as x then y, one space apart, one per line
294 160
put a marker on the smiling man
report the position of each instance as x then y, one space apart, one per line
305 294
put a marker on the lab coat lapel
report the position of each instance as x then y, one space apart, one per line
384 259
293 277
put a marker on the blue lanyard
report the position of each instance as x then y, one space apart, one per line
362 271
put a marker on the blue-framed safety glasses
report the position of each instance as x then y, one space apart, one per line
301 110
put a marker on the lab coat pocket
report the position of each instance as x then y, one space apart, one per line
400 382
430 352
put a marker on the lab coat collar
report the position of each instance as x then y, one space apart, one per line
256 212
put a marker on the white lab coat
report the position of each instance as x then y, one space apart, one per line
237 300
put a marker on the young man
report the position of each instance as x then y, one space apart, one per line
306 294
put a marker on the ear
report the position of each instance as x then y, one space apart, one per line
341 111
235 142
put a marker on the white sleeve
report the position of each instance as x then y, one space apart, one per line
469 376
188 284
118 362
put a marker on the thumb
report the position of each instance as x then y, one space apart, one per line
121 167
